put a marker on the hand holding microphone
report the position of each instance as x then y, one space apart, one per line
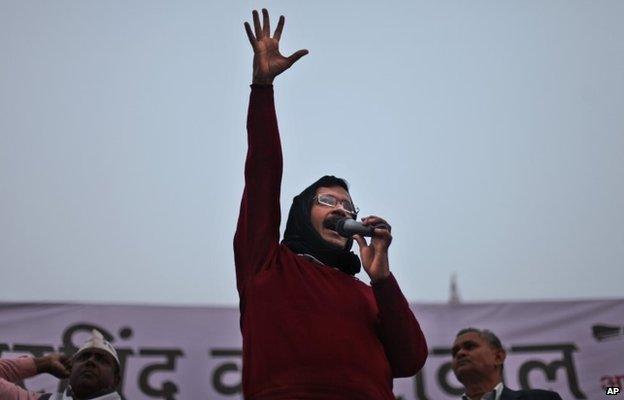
374 255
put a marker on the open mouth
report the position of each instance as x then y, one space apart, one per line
330 222
332 231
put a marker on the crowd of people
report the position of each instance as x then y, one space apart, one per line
94 372
310 328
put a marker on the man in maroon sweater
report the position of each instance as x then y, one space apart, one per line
311 330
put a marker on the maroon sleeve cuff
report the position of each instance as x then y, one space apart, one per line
386 286
390 299
263 86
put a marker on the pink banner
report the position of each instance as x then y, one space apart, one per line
573 347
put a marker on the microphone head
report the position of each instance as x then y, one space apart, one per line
340 228
332 222
348 227
336 224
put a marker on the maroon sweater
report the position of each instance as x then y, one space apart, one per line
309 330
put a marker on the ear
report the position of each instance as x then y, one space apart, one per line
500 356
117 377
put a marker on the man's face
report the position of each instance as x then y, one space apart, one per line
93 370
474 359
320 213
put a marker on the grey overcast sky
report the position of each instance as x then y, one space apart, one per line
489 133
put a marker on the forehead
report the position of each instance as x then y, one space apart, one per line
94 350
337 191
468 337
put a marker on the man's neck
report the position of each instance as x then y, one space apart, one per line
476 390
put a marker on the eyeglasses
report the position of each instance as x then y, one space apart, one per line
331 201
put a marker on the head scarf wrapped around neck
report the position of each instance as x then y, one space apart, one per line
301 237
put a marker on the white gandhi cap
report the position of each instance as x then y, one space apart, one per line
97 341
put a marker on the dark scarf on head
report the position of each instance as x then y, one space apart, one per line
301 237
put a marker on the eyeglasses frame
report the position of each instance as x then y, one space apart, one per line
341 202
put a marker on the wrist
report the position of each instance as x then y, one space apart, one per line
380 277
42 364
262 81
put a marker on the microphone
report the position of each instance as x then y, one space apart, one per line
347 227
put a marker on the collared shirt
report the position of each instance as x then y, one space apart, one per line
495 394
65 396
311 258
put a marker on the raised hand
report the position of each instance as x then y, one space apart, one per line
374 256
268 62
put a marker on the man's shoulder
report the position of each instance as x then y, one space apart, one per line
530 394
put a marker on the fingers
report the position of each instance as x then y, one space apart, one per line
297 55
54 364
263 30
256 20
250 35
382 228
62 371
266 29
360 241
280 27
377 222
66 361
382 233
63 366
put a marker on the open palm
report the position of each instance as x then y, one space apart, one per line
268 62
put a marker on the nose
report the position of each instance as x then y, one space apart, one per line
92 359
460 354
340 206
340 211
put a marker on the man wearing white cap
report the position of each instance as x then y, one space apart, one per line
94 373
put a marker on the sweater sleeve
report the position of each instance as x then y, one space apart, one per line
12 371
257 232
400 333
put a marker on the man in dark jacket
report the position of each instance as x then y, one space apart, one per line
478 358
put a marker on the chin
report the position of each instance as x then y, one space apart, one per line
337 242
333 238
462 372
